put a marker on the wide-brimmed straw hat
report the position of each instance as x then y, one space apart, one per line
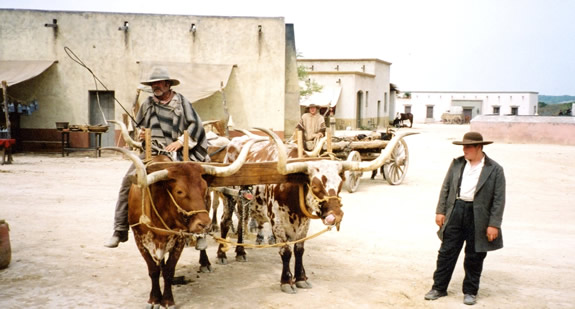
158 74
472 138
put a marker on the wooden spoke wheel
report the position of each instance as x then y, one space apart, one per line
351 177
395 171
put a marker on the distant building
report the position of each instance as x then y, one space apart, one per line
429 106
358 89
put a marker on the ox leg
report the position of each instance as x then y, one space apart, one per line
205 265
225 224
153 271
286 280
215 203
242 214
168 270
300 277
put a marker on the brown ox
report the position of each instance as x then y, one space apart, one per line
167 206
280 204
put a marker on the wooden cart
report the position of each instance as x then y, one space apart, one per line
353 150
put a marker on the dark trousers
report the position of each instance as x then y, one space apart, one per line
458 230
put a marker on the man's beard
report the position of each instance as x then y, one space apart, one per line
158 93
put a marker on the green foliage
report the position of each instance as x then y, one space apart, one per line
310 86
553 109
555 99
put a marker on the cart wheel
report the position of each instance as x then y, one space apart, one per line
395 171
352 178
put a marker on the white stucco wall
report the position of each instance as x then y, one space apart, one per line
483 103
258 83
371 77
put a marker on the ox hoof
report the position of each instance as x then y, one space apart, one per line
222 261
259 239
206 269
303 285
153 306
271 240
241 258
289 289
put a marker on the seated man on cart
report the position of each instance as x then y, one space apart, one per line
312 124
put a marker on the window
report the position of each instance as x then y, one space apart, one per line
429 112
407 109
514 111
496 110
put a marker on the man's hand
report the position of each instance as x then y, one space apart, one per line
439 220
142 134
173 146
492 233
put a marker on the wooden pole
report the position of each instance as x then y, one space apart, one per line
299 137
329 135
148 144
5 95
186 152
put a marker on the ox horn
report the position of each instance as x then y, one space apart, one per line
283 167
127 138
383 158
248 133
317 149
223 171
143 179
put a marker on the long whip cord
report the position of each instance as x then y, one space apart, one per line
79 61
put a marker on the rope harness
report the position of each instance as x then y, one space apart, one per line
145 219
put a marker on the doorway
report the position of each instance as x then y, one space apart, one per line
106 100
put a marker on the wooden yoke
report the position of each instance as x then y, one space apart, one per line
329 135
148 140
186 151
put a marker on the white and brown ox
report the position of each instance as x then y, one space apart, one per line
168 205
290 206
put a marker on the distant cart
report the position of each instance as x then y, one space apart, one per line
351 149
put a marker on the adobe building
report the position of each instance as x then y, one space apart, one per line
239 70
429 106
358 90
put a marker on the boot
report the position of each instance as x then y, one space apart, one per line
117 238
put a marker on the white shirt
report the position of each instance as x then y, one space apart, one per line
469 180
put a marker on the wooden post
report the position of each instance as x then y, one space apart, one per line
148 144
299 137
5 95
186 151
329 135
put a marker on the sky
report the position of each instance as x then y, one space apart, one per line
433 45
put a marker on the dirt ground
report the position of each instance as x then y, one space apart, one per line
60 212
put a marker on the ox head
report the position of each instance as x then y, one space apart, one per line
183 185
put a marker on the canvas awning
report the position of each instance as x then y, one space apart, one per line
17 71
327 97
197 80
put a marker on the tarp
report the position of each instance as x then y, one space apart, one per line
327 97
197 80
17 71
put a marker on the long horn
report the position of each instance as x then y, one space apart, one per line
383 158
317 149
223 171
143 179
126 136
248 133
283 167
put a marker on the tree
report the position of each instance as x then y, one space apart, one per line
309 86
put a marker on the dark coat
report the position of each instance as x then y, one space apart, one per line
488 202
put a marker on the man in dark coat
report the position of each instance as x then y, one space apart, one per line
470 211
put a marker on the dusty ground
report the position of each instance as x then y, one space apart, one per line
60 213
